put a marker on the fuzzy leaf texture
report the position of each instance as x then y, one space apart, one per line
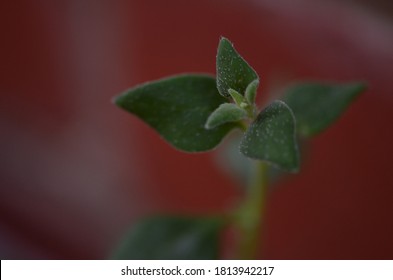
233 72
271 137
172 238
177 108
316 106
227 112
237 97
251 91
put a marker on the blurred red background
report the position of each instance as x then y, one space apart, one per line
76 171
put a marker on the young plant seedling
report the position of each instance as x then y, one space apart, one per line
193 113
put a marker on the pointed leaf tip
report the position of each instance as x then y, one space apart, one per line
232 70
251 91
318 105
237 97
177 108
271 137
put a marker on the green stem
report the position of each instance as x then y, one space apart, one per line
251 213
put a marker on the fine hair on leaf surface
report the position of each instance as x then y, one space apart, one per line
177 108
233 72
271 137
194 112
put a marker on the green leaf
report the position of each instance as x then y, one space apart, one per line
271 137
316 106
235 165
232 70
227 112
177 108
237 97
165 238
251 91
